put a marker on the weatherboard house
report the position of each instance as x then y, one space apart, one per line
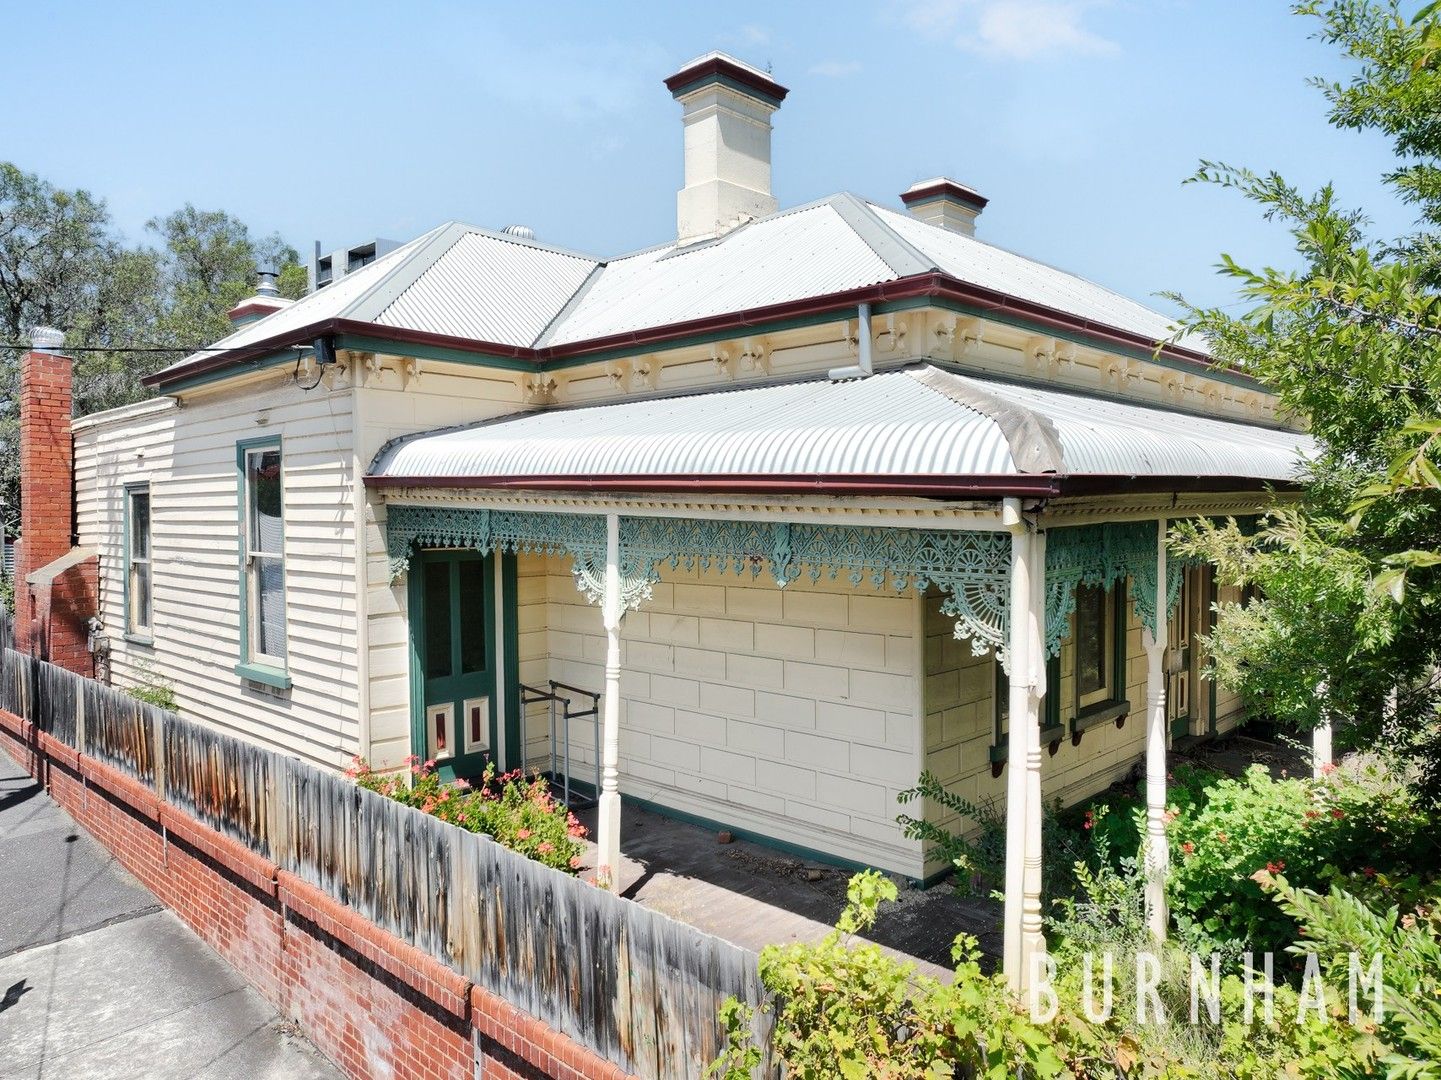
814 499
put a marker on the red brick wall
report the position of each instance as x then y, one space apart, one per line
50 622
373 1004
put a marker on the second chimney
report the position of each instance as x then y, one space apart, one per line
727 114
946 203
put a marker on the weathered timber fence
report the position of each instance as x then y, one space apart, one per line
635 986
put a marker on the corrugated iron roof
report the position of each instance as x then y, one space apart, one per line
918 421
464 282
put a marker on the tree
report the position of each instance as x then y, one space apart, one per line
1349 624
62 265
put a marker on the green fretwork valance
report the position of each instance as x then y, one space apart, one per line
1102 555
971 568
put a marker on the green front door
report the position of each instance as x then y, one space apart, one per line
452 634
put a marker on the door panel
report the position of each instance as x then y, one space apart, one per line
1179 684
450 628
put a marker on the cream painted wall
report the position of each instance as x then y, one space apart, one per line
960 725
188 457
791 713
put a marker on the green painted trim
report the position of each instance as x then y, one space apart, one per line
258 364
242 447
361 343
264 674
730 84
509 611
1102 712
415 627
746 834
138 637
1213 596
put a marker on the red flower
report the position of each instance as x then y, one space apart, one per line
1276 867
522 834
1338 813
1221 837
1369 871
1090 820
545 847
1189 848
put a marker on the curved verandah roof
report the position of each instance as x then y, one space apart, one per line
919 430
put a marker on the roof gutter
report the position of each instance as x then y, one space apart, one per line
928 286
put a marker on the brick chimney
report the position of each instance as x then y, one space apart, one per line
56 584
727 115
944 202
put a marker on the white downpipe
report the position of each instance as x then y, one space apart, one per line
608 824
863 366
1018 703
1158 852
1033 938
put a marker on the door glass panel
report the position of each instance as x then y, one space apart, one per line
472 616
437 620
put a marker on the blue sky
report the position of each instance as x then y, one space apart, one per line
343 121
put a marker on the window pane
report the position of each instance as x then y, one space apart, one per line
139 595
1090 639
140 524
269 613
472 616
1003 699
437 620
262 469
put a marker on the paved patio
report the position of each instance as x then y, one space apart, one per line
757 896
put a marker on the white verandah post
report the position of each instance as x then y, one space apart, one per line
1321 751
608 814
1158 853
1025 656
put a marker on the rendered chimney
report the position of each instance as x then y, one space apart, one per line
266 301
944 202
727 115
53 611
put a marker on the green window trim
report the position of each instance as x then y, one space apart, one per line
1118 706
142 635
1052 730
250 668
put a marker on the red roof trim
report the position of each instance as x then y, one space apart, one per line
932 285
945 189
717 66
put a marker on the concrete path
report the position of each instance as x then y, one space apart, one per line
97 980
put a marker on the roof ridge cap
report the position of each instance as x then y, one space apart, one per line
357 310
905 259
1031 435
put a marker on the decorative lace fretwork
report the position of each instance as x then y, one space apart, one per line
971 568
1099 555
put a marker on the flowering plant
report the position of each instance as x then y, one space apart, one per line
511 808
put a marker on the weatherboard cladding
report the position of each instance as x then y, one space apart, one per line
910 422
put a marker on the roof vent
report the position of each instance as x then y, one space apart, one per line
265 283
520 232
944 202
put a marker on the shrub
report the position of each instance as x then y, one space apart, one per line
514 810
845 1008
153 688
1336 829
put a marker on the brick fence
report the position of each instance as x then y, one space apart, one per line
373 1004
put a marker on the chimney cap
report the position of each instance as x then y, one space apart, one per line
265 283
721 68
943 187
46 339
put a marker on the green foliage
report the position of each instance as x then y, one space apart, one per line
1344 828
845 1008
7 595
513 810
1350 340
1338 924
153 688
62 264
978 848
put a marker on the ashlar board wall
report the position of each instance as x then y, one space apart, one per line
793 713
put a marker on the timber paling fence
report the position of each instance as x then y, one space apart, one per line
635 986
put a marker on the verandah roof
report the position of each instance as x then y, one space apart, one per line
919 430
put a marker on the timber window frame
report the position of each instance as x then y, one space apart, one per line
1107 701
1052 730
264 648
139 564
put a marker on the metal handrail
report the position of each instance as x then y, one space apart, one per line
533 695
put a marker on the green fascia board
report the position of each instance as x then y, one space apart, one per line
361 343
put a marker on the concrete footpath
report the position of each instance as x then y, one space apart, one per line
98 980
